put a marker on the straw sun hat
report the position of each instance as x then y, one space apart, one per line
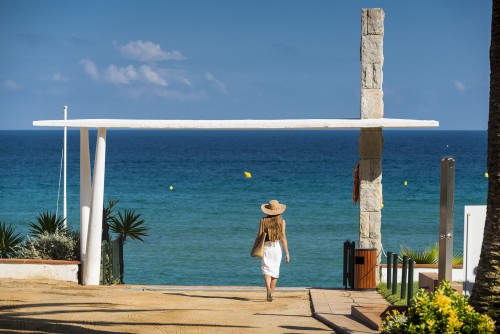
273 208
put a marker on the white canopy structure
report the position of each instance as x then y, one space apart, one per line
92 190
248 124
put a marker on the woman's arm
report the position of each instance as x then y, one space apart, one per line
285 243
259 235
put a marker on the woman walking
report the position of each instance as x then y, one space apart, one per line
274 226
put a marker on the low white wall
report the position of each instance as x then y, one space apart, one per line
457 274
39 269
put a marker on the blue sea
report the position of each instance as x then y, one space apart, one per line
201 232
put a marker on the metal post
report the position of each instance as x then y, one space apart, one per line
65 210
122 263
446 219
344 271
389 272
351 265
410 281
394 273
103 263
404 277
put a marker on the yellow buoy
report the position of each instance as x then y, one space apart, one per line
406 183
382 206
171 187
248 175
486 175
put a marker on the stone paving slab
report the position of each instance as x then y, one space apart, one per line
333 307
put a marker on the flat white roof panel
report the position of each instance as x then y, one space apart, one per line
246 124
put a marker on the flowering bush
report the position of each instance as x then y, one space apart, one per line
444 311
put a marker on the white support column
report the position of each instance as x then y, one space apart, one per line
85 194
93 263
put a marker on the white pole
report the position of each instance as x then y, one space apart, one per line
92 262
85 195
65 162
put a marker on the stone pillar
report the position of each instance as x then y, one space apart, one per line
371 140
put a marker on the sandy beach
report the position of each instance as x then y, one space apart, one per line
55 307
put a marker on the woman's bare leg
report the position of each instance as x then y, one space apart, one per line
268 280
273 283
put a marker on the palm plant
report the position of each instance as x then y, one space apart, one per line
430 255
128 225
48 222
485 293
8 241
107 217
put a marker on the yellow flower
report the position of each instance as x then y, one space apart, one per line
443 302
453 322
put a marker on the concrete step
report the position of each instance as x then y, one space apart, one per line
369 315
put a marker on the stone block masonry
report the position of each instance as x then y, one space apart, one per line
371 140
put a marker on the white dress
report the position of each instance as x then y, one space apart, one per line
271 259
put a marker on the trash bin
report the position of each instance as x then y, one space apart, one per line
365 262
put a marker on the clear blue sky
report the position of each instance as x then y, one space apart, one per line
239 60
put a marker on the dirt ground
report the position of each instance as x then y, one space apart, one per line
55 307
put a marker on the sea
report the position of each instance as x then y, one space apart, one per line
203 213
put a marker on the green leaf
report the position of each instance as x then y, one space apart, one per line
47 222
129 225
9 242
430 255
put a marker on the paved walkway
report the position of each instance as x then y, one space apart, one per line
333 308
62 307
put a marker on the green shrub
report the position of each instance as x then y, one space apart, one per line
394 299
444 311
52 246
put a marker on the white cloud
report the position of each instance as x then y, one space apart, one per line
219 85
58 77
10 85
148 51
151 76
90 68
460 86
146 77
121 75
181 77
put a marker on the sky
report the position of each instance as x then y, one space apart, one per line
243 59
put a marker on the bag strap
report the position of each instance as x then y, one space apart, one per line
263 226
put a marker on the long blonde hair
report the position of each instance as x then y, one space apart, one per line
273 226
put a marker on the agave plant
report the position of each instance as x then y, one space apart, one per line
47 222
430 255
9 241
129 225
